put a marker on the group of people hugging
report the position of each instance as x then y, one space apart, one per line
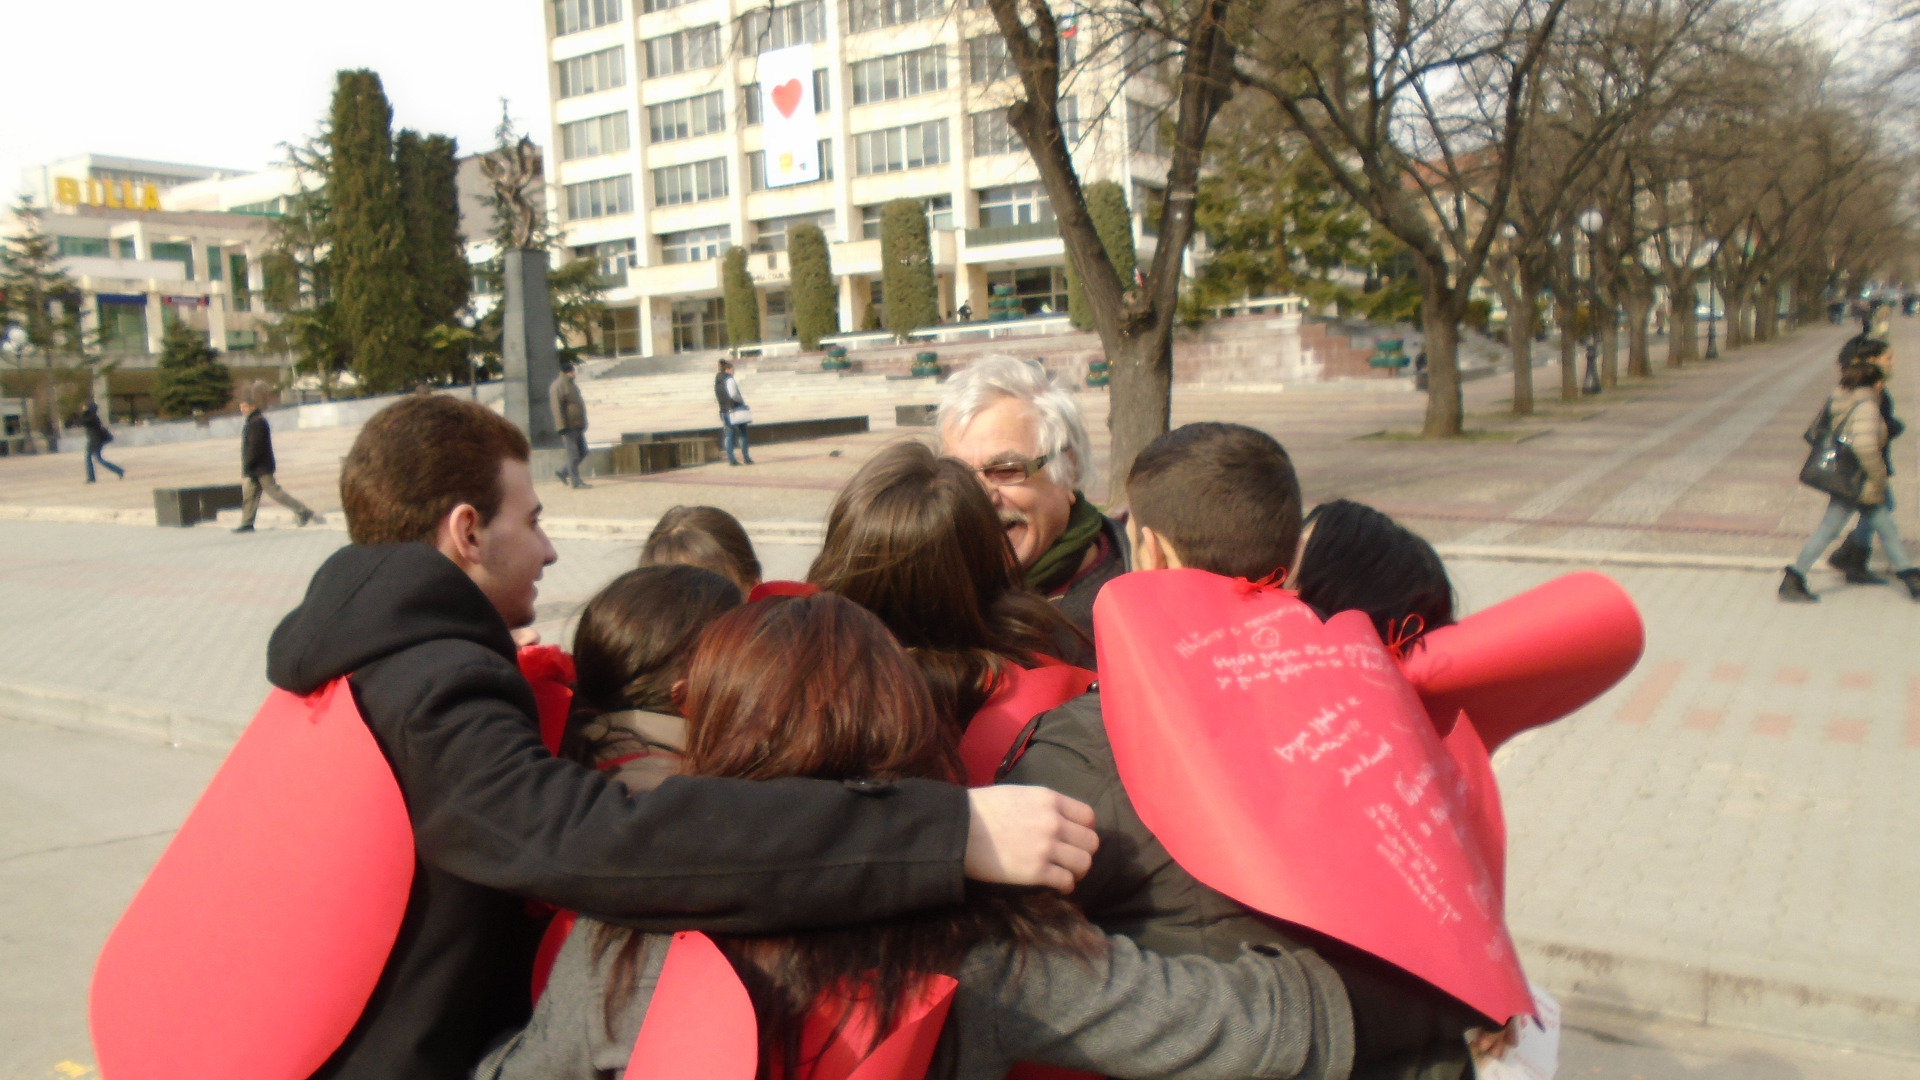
780 765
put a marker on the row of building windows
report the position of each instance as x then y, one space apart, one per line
901 75
695 181
600 198
593 137
882 78
687 117
993 135
769 28
684 50
573 16
593 72
911 146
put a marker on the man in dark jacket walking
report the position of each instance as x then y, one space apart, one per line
97 439
570 420
446 555
257 465
734 416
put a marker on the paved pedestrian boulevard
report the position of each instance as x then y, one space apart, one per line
1725 838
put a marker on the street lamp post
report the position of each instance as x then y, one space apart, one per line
1713 269
1590 222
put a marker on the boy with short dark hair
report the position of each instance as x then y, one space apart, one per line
1224 498
416 614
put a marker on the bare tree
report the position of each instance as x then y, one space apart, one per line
1191 42
1417 108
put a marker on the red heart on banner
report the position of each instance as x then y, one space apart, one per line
1289 764
255 942
786 97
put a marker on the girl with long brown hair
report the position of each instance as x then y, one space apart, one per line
914 539
816 687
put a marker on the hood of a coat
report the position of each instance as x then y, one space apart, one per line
367 602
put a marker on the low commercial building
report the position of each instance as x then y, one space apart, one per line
661 154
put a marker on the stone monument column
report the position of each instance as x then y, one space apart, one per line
528 354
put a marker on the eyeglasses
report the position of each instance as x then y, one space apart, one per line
1009 473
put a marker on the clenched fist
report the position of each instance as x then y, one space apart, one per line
1029 836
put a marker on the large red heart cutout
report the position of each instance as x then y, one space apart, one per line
701 1023
256 941
1289 764
786 97
1019 695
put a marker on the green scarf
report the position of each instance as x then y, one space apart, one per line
1057 564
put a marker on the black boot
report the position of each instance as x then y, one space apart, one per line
1793 589
1911 579
1848 557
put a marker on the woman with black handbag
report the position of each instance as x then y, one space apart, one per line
1849 464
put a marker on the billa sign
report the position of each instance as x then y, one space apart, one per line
114 194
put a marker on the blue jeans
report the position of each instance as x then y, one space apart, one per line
1862 535
731 433
1878 518
93 454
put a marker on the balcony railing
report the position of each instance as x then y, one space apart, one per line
1012 234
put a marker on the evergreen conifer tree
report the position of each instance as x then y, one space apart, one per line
1107 206
906 268
372 292
36 295
816 310
743 305
191 377
428 172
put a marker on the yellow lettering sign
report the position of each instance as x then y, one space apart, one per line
116 194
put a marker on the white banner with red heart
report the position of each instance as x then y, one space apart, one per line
789 132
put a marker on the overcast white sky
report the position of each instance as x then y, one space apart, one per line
222 82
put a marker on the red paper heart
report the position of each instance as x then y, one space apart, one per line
255 942
1531 659
1021 695
1289 764
786 97
700 1021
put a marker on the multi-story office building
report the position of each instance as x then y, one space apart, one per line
659 163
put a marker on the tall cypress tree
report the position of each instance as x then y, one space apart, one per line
743 302
906 268
428 171
1107 206
372 292
816 311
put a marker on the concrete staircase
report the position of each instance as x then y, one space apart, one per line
673 400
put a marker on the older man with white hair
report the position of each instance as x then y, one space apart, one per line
1026 439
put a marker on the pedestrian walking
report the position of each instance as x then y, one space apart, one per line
97 439
734 414
570 420
257 465
1850 558
1853 413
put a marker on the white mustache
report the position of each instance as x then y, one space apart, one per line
1012 517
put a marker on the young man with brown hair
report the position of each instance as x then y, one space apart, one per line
446 555
1224 498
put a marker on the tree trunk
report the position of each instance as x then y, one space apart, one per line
1683 325
1139 400
1639 349
1766 321
1520 347
1734 331
1442 324
1609 342
1567 314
